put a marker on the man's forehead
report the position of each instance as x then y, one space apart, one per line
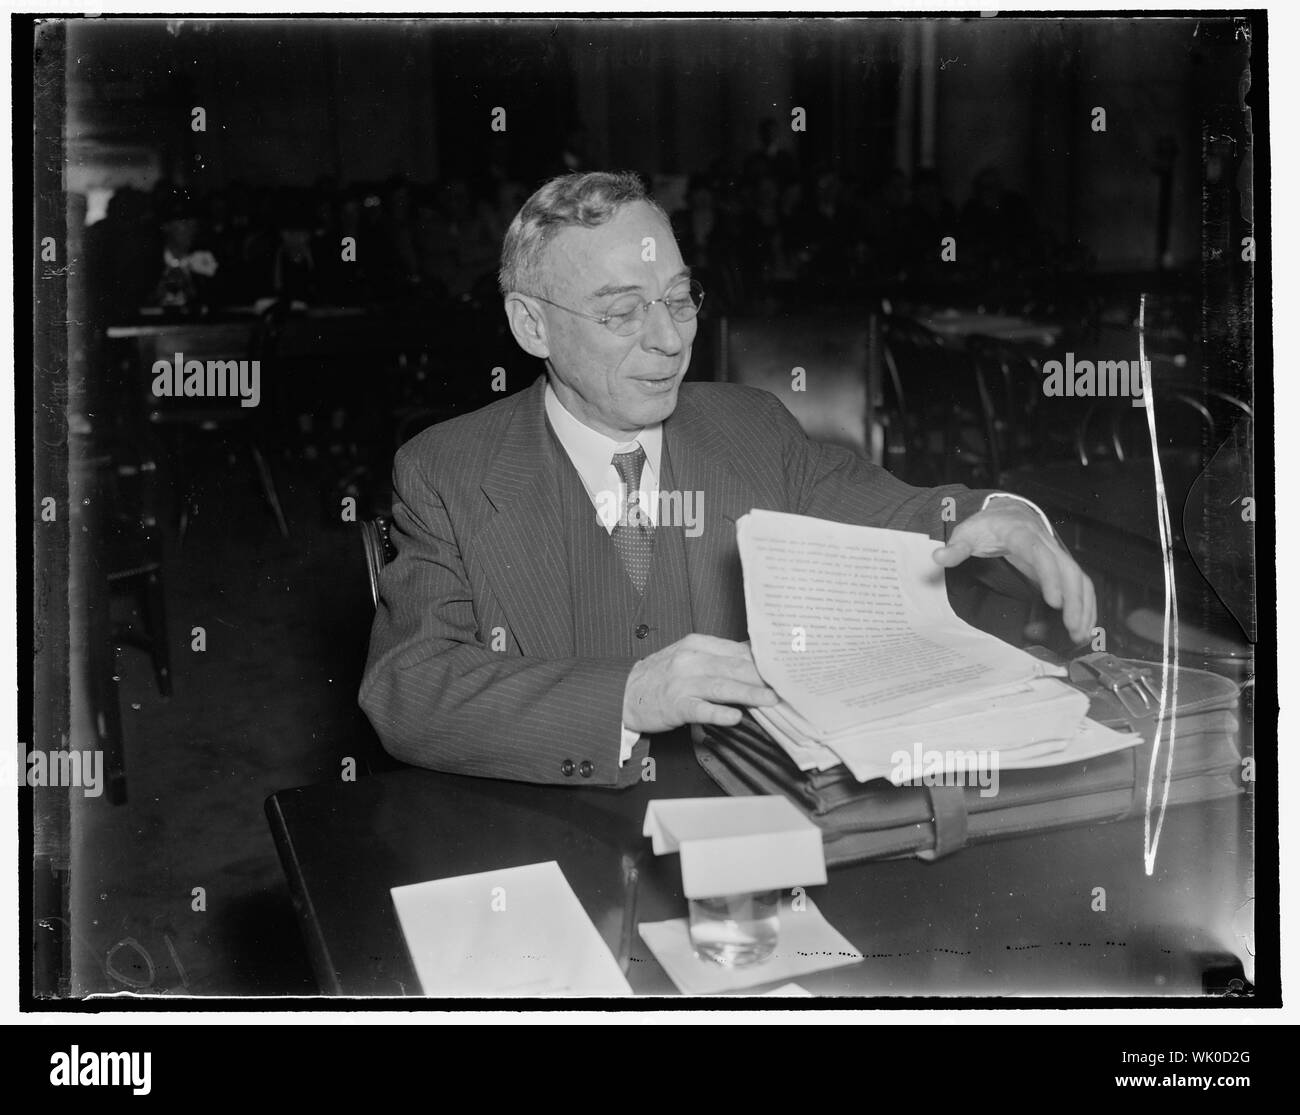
583 260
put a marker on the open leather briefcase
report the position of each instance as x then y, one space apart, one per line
878 820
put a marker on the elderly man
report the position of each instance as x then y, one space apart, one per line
548 607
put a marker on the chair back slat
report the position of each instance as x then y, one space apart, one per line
946 404
377 544
835 402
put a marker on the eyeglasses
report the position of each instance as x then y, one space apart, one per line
627 314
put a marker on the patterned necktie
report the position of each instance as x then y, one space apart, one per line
634 534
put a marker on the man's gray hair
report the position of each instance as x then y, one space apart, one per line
574 199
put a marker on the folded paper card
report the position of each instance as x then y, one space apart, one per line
514 932
737 845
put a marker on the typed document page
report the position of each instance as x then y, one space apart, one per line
852 624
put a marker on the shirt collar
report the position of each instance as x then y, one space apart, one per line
592 452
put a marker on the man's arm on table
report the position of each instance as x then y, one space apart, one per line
439 697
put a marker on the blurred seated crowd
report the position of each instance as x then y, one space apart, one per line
779 236
772 234
326 244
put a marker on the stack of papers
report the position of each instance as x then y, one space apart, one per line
852 628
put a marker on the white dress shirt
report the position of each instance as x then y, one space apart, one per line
592 454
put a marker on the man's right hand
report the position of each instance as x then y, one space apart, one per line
697 680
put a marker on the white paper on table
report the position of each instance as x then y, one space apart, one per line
807 942
515 932
737 845
852 623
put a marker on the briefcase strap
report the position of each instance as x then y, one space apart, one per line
948 808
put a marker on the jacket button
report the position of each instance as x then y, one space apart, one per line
586 769
642 630
566 768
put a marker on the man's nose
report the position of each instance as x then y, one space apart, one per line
661 333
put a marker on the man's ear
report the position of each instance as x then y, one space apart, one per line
527 324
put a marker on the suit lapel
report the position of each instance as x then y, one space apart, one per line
699 457
523 548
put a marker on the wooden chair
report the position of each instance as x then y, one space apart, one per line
1025 432
1228 410
379 550
839 402
945 404
135 553
1115 430
93 664
1092 498
1184 426
1219 530
185 421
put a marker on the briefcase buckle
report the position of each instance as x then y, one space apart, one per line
1141 685
1129 683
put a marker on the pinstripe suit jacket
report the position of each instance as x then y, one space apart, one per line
472 666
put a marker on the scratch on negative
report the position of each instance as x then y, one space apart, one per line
1169 633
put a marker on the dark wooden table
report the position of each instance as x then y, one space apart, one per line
956 327
319 333
1015 917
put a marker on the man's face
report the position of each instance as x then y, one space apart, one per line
181 234
614 384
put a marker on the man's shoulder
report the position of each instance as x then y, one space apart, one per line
724 401
735 410
466 439
467 444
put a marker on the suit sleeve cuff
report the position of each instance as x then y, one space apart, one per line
625 747
1028 503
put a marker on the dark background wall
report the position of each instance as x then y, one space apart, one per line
291 102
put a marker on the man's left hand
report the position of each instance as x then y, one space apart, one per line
1009 529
